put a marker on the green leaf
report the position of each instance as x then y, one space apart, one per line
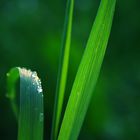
28 104
63 69
88 72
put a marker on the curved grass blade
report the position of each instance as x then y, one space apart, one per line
28 104
63 69
88 72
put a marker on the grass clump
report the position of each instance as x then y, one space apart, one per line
30 112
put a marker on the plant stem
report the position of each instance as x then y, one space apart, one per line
63 69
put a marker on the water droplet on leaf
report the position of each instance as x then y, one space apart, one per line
41 117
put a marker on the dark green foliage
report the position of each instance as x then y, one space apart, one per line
30 36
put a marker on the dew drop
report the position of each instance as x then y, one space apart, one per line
39 89
41 117
37 82
34 74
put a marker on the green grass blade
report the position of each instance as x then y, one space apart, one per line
88 72
63 68
28 104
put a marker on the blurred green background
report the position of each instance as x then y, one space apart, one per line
30 36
